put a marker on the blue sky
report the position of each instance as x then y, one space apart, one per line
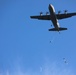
25 47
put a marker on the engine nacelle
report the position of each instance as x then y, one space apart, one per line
47 13
41 13
65 11
59 12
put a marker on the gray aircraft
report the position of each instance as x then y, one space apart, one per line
54 18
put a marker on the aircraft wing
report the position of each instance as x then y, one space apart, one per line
42 17
65 15
48 17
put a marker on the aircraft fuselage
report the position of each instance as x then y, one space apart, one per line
53 16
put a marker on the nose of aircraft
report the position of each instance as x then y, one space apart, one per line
50 5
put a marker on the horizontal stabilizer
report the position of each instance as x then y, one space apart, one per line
59 29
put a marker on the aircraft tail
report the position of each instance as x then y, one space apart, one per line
60 29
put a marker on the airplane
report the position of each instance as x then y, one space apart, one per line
54 18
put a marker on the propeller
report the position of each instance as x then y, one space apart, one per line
59 12
47 13
65 11
41 13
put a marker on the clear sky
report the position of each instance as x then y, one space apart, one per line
25 47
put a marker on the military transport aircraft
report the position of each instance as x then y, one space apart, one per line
54 18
